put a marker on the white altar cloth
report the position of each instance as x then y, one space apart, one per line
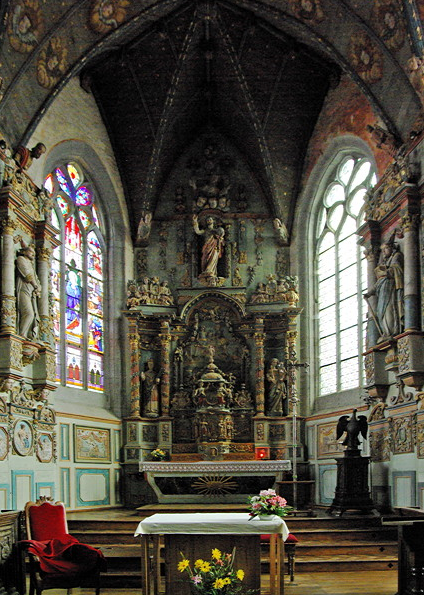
234 523
199 467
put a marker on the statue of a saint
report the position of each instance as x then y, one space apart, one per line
151 381
28 290
388 290
277 390
212 248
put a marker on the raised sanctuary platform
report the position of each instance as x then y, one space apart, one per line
211 481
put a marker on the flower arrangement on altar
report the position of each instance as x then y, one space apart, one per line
268 503
217 577
158 454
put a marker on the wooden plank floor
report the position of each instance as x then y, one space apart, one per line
315 583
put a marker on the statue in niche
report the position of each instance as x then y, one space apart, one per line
277 389
212 249
388 290
151 381
28 290
24 156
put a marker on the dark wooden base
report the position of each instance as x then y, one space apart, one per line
352 492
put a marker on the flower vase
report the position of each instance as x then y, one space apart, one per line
263 517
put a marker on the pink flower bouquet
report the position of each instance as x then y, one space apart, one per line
268 503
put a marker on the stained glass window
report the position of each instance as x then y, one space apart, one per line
77 280
340 269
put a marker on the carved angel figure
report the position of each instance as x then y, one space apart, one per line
280 231
353 427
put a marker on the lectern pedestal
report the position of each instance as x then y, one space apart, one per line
352 491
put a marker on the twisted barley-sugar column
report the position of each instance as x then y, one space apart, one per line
134 342
259 338
165 351
8 299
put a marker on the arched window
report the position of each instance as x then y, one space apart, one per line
77 279
341 276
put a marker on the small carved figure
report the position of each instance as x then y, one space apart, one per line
24 156
415 68
280 231
242 398
133 295
199 395
384 140
237 279
6 385
144 228
165 294
28 290
223 395
260 295
151 381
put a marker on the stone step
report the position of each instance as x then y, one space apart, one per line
106 537
346 535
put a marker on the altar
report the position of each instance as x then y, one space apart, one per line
211 481
195 535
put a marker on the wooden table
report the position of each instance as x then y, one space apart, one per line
195 535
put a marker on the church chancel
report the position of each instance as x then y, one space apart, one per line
204 391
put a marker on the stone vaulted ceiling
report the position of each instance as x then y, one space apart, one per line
164 71
210 67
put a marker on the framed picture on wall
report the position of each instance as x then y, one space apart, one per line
4 443
23 438
44 448
92 445
328 445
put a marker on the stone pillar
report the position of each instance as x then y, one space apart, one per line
43 269
165 351
134 341
411 276
8 299
259 338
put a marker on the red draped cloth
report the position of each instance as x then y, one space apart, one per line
65 558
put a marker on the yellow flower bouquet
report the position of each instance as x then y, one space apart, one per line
158 455
216 577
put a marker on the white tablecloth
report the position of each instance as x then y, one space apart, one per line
234 523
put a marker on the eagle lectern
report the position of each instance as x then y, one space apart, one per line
352 491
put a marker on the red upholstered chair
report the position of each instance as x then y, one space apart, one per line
290 549
56 559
